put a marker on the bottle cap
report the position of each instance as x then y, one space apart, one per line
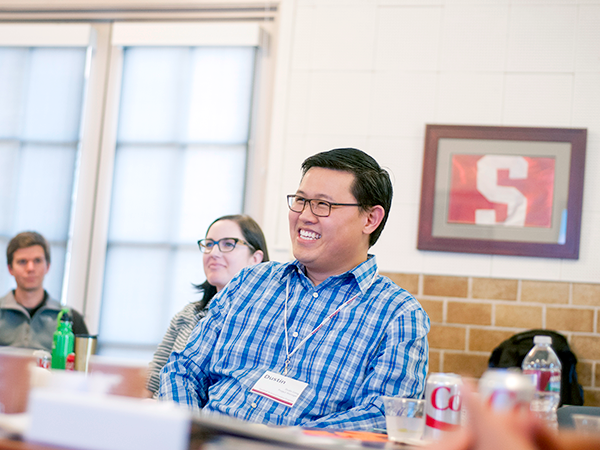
542 340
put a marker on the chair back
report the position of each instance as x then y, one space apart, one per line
14 379
512 351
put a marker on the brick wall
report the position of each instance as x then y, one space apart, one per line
471 316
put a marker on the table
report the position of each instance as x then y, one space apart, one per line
10 444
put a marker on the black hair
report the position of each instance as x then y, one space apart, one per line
252 234
372 185
208 292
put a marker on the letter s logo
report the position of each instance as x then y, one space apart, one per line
487 184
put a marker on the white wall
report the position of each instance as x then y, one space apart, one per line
370 74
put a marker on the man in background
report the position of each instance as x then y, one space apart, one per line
28 313
317 341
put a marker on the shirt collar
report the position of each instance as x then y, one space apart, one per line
10 302
363 273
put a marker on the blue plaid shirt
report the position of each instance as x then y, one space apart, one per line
376 345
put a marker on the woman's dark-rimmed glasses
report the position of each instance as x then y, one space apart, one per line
225 245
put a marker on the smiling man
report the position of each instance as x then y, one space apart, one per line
318 341
27 313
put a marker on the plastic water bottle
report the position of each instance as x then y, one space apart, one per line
63 340
542 364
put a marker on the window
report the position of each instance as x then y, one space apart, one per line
42 83
180 162
121 142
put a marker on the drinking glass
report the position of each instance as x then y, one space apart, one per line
404 418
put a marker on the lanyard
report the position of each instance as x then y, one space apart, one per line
327 319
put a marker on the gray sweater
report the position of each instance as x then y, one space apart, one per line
19 329
175 340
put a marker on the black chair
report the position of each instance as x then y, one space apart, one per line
512 351
565 414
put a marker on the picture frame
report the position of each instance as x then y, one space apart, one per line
502 190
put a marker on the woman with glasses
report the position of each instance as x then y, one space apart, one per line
231 243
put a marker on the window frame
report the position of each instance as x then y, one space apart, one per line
84 270
124 34
67 35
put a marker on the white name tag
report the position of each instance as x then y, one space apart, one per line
282 389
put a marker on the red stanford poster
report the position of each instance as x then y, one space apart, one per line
507 190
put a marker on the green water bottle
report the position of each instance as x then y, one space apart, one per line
63 341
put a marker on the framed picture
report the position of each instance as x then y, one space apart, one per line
502 190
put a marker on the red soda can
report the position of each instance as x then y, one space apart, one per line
70 362
42 358
506 389
443 404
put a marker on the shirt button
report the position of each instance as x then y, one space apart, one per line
253 405
295 334
315 294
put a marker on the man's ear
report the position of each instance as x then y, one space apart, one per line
257 257
373 217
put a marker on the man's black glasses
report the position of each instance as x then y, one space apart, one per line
320 208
